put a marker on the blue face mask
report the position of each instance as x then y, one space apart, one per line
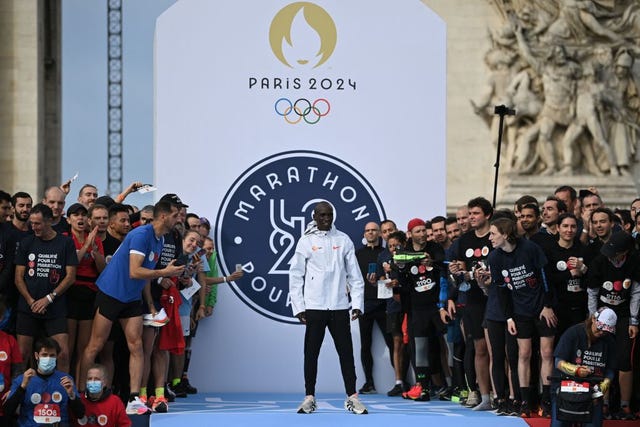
46 365
94 387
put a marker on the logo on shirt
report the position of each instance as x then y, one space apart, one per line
266 211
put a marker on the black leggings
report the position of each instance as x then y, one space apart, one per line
337 321
503 346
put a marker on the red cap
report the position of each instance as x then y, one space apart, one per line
414 223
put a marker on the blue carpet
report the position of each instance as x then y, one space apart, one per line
251 409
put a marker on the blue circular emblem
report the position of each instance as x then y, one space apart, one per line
267 209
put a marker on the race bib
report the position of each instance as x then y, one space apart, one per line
571 386
46 413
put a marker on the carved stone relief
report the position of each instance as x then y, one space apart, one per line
567 68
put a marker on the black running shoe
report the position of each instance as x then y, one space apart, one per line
368 388
395 391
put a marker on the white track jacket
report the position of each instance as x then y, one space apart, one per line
324 272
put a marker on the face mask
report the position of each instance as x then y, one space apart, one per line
46 365
94 387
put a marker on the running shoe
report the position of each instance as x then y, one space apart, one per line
353 404
545 409
308 405
137 407
160 405
180 389
395 391
368 388
513 406
417 393
473 399
625 414
188 387
157 320
483 406
168 393
503 407
525 411
446 394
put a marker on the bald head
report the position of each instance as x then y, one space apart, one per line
54 198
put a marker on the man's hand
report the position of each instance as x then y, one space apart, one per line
67 383
633 331
66 186
511 327
302 317
444 316
28 374
172 270
236 275
451 308
355 314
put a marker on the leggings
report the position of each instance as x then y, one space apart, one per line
504 346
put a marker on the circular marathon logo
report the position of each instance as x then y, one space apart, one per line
267 209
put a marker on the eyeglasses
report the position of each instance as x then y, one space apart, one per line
370 230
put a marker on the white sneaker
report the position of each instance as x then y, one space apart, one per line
308 405
354 405
473 399
137 407
482 406
160 319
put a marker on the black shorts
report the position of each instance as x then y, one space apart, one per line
81 303
114 309
472 319
427 322
527 326
29 326
394 323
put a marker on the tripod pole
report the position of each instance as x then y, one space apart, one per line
502 111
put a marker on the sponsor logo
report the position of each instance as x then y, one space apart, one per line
266 210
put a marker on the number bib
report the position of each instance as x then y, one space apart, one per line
47 413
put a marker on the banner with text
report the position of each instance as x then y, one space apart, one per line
264 108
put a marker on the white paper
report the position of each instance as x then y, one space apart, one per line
187 293
146 189
383 291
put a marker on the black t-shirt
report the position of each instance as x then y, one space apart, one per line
571 292
520 271
62 227
45 264
614 284
368 255
171 250
472 250
110 245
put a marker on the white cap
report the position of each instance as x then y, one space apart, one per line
606 320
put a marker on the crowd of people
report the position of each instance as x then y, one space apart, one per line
110 294
479 302
486 307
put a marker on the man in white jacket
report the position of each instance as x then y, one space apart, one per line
324 273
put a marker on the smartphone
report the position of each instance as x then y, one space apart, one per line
373 267
182 259
238 268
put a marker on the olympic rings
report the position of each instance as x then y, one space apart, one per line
302 111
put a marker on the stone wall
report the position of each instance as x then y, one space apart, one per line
30 93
